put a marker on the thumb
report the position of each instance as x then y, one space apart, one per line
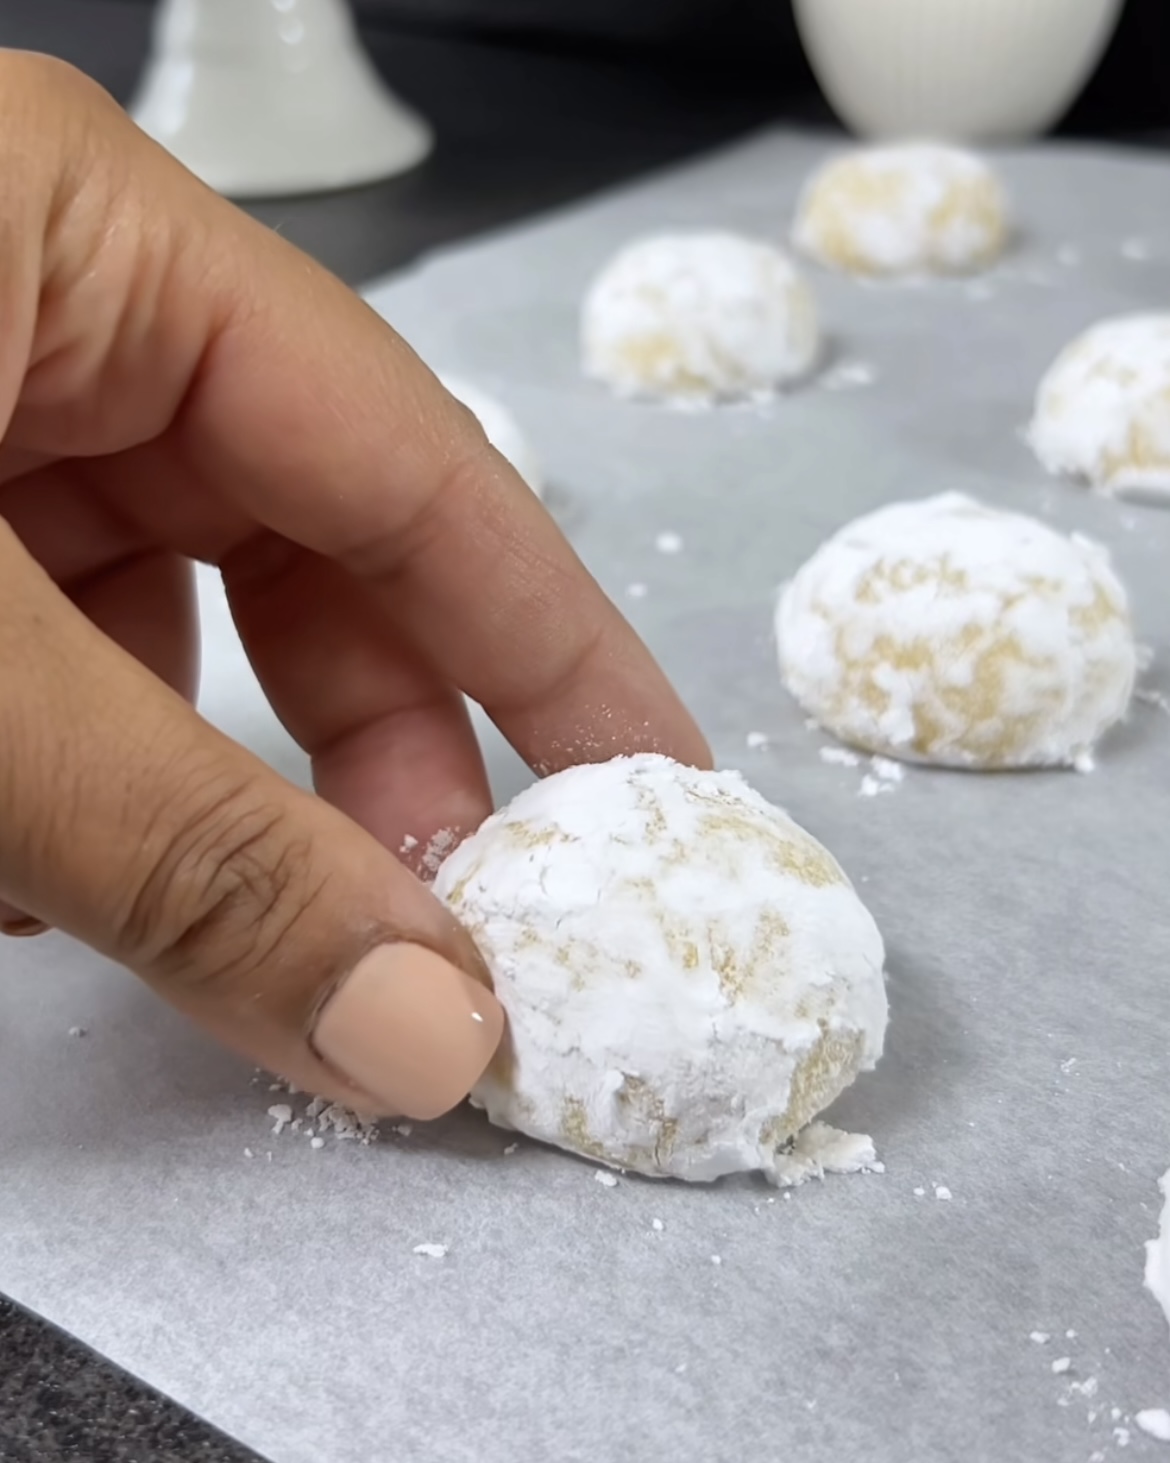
259 910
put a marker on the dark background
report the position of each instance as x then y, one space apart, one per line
534 102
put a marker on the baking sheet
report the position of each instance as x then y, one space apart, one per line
1026 918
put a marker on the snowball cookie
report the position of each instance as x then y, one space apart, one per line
689 977
698 316
945 631
503 431
909 209
1103 409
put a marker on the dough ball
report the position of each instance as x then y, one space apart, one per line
689 977
945 631
909 209
1103 409
503 430
698 316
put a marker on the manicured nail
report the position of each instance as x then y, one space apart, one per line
411 1029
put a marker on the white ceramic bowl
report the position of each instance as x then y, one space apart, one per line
971 70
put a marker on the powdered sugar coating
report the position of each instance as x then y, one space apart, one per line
915 208
689 977
698 316
949 632
1103 408
502 429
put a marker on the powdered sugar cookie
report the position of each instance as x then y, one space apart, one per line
915 208
1103 408
689 977
698 317
945 631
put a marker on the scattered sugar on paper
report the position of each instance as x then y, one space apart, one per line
657 1226
920 1192
78 1031
1155 1421
637 591
511 1148
1121 1436
820 1149
669 543
404 1130
281 1115
432 1252
1157 1274
847 376
942 1192
409 844
1061 1365
839 757
1041 1338
316 1142
1137 251
757 741
887 769
717 1259
1158 699
606 1179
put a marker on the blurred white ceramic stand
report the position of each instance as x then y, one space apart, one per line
267 97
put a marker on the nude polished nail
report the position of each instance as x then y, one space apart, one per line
411 1029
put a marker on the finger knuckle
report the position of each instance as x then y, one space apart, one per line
227 888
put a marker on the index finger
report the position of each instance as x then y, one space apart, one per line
332 433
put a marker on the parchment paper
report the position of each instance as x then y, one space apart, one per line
1028 1069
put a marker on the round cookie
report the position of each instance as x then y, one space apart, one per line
689 977
915 208
948 632
502 429
1102 410
698 317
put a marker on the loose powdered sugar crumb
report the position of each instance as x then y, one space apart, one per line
1157 1275
820 1149
657 1226
606 1179
756 741
281 1115
1040 1337
942 1192
432 1252
840 757
78 1031
1155 1421
436 851
637 591
409 843
1061 1365
669 543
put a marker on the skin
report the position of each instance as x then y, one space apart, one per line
178 383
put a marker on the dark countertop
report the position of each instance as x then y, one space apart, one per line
520 129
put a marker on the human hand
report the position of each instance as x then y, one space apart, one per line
178 383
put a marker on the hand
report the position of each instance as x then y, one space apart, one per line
178 383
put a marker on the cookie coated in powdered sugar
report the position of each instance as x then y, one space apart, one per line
1102 409
689 977
698 317
904 209
949 632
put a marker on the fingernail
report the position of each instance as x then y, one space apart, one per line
411 1029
